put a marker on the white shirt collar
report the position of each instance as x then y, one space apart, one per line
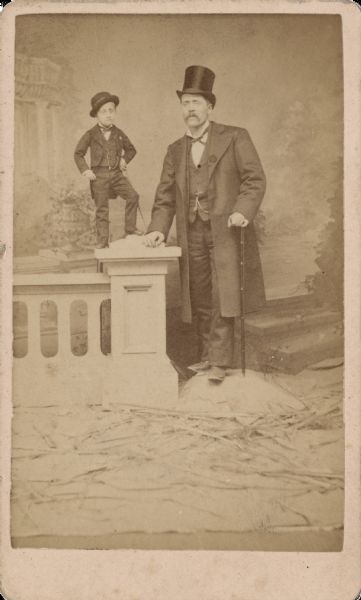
199 133
103 128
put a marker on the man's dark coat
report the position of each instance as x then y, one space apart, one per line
236 184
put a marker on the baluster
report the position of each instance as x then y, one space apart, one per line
64 337
33 305
93 303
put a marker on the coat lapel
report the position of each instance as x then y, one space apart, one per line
180 161
220 139
98 136
115 133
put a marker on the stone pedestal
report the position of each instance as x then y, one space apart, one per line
139 369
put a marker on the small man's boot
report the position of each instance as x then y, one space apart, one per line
102 236
101 244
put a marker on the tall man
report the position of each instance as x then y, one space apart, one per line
213 181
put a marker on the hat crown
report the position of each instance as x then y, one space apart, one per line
101 98
198 78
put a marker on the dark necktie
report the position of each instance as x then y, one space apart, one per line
200 138
106 130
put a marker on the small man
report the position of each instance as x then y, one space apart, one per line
110 152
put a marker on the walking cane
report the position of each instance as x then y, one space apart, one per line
141 215
242 278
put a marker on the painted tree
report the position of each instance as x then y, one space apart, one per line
70 222
306 140
327 285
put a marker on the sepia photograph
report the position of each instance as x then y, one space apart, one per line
180 207
178 282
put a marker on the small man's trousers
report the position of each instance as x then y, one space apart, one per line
110 184
215 333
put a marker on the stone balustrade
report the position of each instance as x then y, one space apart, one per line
137 370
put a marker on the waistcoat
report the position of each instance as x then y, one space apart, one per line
198 186
110 158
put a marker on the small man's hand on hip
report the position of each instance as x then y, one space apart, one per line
236 219
89 175
123 165
153 239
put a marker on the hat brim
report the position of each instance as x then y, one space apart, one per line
103 101
196 92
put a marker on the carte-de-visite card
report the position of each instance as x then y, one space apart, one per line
180 300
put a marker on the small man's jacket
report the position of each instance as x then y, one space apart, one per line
95 140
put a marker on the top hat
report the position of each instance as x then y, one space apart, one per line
101 98
198 80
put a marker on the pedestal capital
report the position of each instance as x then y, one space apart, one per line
131 256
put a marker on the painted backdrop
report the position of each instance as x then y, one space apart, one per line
278 76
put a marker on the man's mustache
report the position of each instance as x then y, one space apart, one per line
189 116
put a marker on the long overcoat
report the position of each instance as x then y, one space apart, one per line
236 183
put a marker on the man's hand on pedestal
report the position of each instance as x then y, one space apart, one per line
153 239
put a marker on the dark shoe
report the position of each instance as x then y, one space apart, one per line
135 232
199 367
101 245
216 374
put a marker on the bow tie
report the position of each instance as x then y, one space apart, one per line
105 128
200 138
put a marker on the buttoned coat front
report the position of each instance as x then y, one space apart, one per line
236 183
94 139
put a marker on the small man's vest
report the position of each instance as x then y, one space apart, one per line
110 158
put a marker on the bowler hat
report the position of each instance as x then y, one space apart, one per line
101 98
198 80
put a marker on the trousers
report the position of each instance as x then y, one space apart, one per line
215 333
110 184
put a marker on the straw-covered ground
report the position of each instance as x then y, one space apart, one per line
263 455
